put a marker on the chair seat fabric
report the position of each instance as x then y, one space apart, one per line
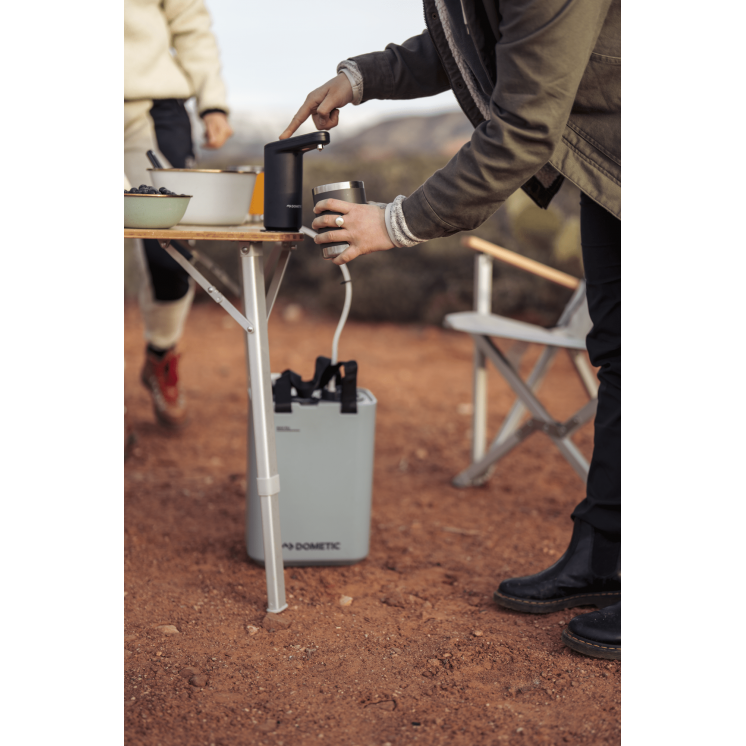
491 325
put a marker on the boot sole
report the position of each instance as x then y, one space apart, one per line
594 649
547 607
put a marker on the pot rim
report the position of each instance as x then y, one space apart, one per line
244 170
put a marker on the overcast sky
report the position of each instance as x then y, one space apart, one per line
274 53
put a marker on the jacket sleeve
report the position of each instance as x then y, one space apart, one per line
541 56
403 71
197 51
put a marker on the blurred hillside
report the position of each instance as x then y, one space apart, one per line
440 135
424 283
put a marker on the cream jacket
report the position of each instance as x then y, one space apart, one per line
152 29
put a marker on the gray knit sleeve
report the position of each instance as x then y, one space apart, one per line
396 225
352 71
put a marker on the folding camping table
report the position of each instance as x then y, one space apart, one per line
258 302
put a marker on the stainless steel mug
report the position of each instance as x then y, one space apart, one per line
349 191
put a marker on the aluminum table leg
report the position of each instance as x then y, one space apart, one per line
263 422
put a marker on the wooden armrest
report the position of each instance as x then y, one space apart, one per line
522 262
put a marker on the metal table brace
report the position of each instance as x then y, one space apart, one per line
258 306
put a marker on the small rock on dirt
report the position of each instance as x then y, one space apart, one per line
251 629
292 313
387 705
187 672
275 622
478 633
198 680
168 629
345 601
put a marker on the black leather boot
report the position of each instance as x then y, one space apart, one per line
598 633
588 573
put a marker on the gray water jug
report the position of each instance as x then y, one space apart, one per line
325 463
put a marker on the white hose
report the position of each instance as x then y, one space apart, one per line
345 309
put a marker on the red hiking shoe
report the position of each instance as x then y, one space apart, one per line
160 376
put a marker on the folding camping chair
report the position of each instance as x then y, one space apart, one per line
569 334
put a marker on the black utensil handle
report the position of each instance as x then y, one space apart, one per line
153 158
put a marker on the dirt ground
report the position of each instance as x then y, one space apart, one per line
422 654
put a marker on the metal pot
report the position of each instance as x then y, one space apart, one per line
218 197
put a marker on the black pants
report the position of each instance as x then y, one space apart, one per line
601 238
173 131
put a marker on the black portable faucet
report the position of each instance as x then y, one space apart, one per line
283 180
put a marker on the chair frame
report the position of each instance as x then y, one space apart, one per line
511 432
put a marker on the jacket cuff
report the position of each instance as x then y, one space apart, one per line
375 69
210 106
396 226
213 111
352 71
421 219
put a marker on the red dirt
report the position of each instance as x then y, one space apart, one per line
422 655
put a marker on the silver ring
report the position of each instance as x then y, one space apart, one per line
340 221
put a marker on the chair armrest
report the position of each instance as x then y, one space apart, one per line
522 262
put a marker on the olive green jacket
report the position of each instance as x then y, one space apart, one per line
553 111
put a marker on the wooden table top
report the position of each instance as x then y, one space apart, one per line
248 232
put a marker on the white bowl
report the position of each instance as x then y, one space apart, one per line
218 197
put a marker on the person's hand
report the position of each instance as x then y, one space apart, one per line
323 105
217 130
364 228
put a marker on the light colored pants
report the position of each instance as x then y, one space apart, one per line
164 320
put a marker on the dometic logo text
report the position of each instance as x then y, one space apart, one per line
299 207
321 545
